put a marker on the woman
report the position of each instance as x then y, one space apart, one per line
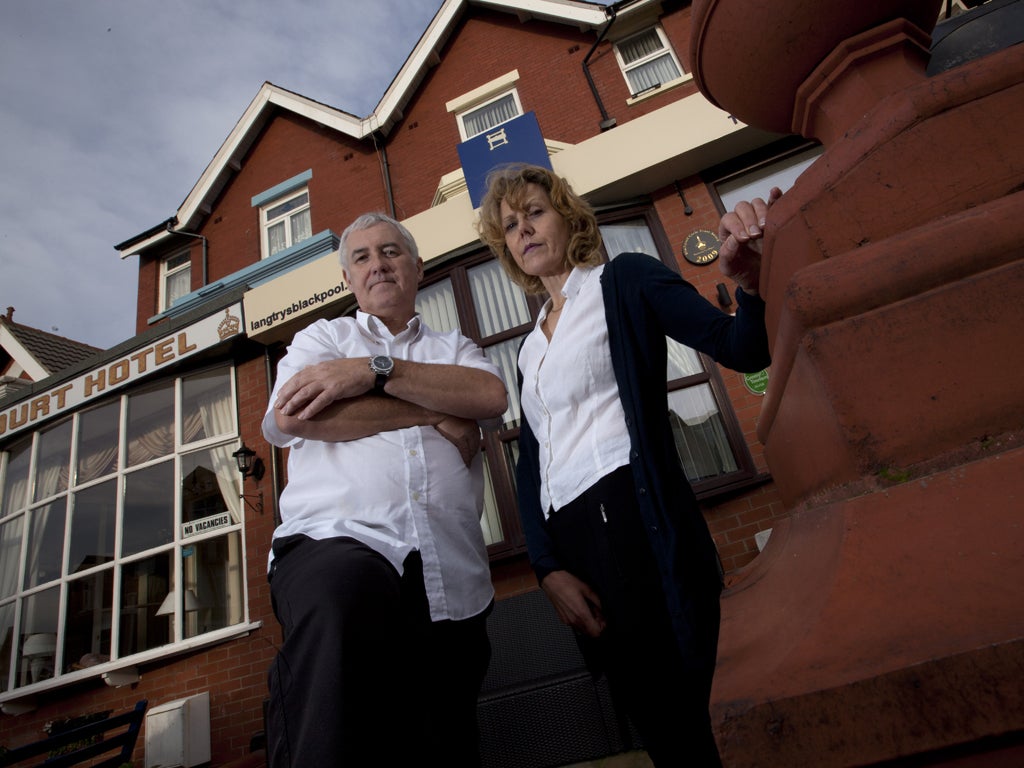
613 530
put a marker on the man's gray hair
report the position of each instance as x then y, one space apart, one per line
368 220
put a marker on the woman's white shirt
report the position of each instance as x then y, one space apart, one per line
570 396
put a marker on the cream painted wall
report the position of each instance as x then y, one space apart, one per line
677 140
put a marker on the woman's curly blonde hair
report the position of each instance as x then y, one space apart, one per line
508 184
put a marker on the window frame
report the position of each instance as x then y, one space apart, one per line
266 223
212 440
486 94
166 273
666 48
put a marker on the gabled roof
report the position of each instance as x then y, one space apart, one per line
424 56
38 353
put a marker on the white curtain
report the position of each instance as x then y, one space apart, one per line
489 520
98 432
14 493
640 46
436 304
700 438
657 70
217 412
45 543
301 227
54 455
10 551
500 304
178 284
693 405
490 115
158 441
652 73
277 238
628 237
505 356
97 462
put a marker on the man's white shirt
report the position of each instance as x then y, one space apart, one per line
396 491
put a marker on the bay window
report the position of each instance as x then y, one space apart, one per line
121 531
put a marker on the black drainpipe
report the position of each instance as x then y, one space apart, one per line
382 151
606 121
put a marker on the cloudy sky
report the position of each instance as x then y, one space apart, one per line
111 109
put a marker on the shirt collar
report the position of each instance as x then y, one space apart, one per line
375 328
579 275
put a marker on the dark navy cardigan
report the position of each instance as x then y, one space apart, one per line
644 302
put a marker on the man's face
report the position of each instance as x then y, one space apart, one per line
382 273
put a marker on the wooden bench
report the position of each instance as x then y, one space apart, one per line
83 743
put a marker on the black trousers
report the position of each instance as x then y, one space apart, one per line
664 686
362 676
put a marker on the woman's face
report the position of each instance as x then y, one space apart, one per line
537 235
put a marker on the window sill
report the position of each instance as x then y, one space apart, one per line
719 493
22 699
659 89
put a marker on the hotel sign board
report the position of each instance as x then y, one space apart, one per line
296 293
517 141
127 369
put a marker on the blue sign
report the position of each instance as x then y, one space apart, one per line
517 141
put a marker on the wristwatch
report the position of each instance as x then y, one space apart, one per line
382 365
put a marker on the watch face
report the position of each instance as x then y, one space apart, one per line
382 364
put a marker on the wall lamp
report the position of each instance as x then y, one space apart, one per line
250 465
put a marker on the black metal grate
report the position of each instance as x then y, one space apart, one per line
539 706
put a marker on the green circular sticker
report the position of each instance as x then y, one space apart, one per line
756 382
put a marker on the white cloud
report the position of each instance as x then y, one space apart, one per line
119 105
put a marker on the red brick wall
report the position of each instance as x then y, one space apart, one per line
346 181
148 298
549 58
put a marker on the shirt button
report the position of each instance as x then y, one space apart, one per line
412 452
654 529
642 491
415 495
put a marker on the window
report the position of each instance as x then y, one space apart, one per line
479 300
708 439
757 179
647 60
175 278
488 106
285 222
496 112
101 556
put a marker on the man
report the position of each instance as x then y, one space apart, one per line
379 574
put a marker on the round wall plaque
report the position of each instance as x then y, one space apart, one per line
701 247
